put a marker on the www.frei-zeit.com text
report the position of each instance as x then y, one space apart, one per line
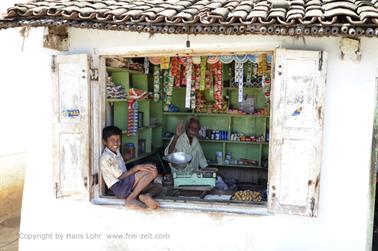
94 236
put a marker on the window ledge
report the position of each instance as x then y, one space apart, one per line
254 209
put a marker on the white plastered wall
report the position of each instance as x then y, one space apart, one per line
344 193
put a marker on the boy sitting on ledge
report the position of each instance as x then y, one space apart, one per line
134 185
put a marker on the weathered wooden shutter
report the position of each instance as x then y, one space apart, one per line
71 124
296 132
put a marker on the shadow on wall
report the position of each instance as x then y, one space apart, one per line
12 172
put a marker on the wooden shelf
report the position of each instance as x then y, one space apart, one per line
213 114
114 69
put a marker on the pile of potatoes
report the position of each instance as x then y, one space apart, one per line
247 195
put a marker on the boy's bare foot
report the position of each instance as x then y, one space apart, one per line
133 203
151 203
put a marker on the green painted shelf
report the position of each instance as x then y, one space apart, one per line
212 114
245 87
119 111
226 141
141 156
116 69
125 100
224 87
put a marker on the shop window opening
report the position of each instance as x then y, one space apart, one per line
229 95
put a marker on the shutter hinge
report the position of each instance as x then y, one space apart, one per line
86 181
320 61
312 206
56 188
95 179
94 74
53 64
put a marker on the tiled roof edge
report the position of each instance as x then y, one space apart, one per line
344 30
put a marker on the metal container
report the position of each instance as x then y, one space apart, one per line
179 160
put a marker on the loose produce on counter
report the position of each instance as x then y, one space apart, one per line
247 195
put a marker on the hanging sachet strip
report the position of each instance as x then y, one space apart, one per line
203 73
196 76
178 77
239 80
156 83
262 67
164 63
167 90
132 117
174 68
182 63
248 81
216 70
208 78
266 88
146 65
188 67
171 80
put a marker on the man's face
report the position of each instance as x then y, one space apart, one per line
113 142
193 129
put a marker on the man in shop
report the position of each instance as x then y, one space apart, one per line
187 141
135 185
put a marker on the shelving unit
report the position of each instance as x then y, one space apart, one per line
251 125
151 134
226 141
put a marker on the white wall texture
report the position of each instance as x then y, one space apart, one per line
15 127
344 186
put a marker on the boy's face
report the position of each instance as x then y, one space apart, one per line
113 142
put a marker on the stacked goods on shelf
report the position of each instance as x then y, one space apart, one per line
132 118
114 91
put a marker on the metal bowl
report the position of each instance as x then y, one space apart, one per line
179 160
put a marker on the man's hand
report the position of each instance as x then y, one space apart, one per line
179 128
144 167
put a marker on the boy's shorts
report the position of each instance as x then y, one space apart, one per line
123 187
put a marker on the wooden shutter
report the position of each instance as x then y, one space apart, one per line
296 132
71 124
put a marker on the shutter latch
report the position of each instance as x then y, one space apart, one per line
94 74
312 206
56 188
320 61
86 181
53 65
